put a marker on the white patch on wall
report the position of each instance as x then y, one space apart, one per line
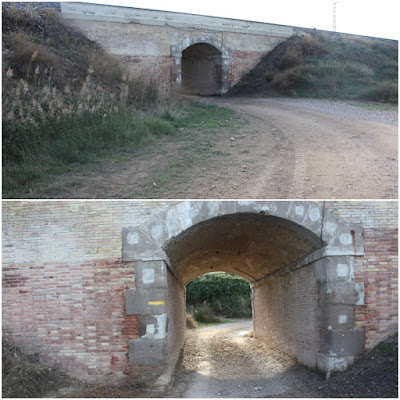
342 319
361 293
245 203
330 227
133 238
148 276
299 210
345 238
342 270
156 231
157 330
314 214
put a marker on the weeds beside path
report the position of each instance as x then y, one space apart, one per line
160 167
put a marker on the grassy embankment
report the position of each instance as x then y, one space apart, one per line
323 66
67 104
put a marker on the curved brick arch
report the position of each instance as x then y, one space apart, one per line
176 54
319 287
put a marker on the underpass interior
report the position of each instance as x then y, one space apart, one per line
258 248
201 70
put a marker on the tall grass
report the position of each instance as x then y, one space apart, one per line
46 128
67 102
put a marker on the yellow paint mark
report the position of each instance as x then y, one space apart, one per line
156 303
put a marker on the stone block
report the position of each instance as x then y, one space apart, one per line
150 274
147 351
350 293
151 301
338 343
137 246
326 363
153 326
337 316
342 238
331 269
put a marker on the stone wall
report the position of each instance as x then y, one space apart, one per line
64 282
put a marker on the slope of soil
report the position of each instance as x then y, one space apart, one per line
326 65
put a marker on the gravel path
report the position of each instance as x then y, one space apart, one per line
353 109
223 361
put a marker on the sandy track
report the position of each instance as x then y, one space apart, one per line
221 361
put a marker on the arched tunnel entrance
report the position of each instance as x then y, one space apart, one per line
201 70
201 66
298 259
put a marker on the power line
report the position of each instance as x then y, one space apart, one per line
334 15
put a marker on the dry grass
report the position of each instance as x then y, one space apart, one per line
105 67
28 57
26 15
311 46
191 323
291 58
288 77
365 41
25 104
24 376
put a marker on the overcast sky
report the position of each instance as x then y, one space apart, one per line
378 18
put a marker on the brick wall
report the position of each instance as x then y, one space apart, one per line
64 282
378 269
285 314
242 62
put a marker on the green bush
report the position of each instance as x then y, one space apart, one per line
386 92
203 313
219 294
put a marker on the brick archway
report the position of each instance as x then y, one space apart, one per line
218 59
295 248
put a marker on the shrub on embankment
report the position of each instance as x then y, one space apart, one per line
218 294
67 102
327 66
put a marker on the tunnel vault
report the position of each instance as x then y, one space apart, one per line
201 66
298 257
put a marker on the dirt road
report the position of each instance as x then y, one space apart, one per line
288 148
319 149
221 361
